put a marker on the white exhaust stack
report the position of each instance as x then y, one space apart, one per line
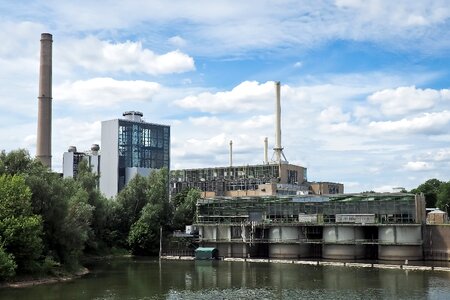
231 153
278 150
44 126
266 147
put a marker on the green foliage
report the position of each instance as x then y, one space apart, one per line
17 162
143 234
47 222
130 202
20 230
100 235
185 210
7 264
430 189
143 238
76 225
62 204
443 197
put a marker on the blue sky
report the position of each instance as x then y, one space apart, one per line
365 84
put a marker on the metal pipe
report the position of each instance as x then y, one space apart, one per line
44 126
231 153
277 149
266 147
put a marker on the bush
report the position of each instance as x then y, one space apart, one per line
7 265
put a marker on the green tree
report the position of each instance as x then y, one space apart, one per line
20 229
7 264
443 197
130 202
143 238
75 228
430 189
100 233
61 203
185 210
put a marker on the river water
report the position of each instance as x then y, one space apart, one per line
150 279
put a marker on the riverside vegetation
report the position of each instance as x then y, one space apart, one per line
49 223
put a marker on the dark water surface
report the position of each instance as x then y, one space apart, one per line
150 279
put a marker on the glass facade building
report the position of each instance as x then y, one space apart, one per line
131 146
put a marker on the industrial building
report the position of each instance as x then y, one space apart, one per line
72 158
275 177
351 226
131 146
235 181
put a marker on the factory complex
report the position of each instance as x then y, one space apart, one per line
266 210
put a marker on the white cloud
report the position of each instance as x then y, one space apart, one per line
129 57
401 13
436 122
105 92
247 96
404 100
177 41
205 121
333 114
400 24
418 166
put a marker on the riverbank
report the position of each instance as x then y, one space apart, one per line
27 282
324 263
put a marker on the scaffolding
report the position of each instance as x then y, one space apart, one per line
385 209
250 179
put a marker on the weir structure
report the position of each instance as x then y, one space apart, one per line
350 226
44 126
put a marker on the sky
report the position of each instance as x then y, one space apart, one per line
365 88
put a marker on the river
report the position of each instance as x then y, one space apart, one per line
149 279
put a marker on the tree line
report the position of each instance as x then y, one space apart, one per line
436 192
47 223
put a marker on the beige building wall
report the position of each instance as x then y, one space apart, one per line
284 171
327 188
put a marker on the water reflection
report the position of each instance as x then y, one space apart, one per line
151 279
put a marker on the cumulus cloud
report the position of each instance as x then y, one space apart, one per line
129 57
247 96
403 100
104 92
333 114
418 166
433 123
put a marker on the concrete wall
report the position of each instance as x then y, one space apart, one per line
68 164
110 158
436 242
